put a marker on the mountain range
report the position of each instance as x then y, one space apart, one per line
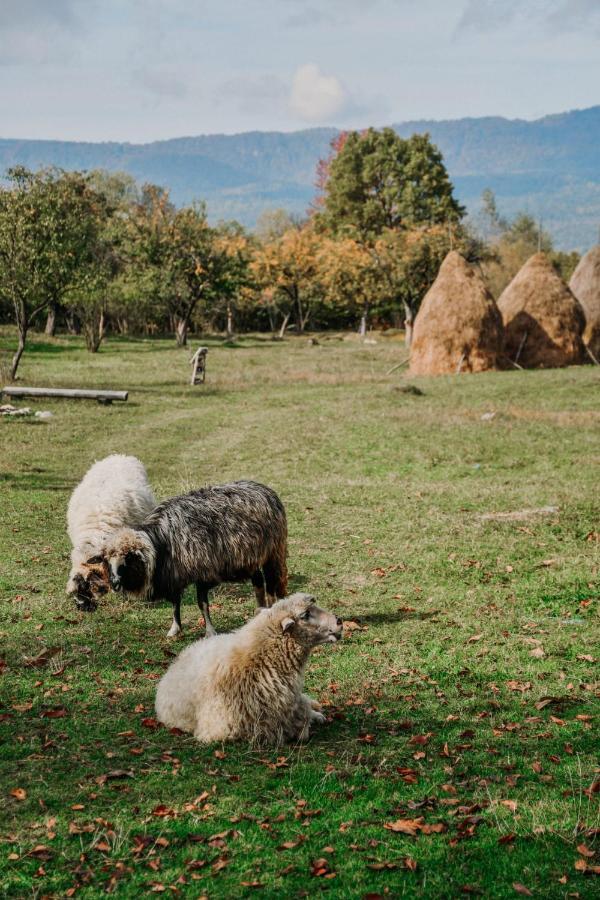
549 167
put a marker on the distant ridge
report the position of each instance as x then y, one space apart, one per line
549 167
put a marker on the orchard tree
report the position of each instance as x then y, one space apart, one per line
350 276
378 180
48 230
287 271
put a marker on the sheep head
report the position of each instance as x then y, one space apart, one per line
130 559
305 622
89 582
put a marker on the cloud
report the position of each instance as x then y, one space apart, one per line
567 15
252 95
37 31
316 97
160 82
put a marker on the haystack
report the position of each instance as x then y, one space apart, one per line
458 328
543 321
585 285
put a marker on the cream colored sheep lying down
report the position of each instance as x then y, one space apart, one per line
114 493
247 685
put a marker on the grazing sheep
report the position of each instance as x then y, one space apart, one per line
113 494
229 532
247 685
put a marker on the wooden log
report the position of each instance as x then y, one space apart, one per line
105 397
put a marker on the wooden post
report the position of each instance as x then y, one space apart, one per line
198 362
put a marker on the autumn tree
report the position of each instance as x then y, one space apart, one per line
48 230
286 271
184 262
349 273
379 181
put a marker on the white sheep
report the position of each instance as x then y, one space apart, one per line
247 685
113 494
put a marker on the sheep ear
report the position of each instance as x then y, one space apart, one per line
287 623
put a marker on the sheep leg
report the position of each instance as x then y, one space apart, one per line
258 582
274 581
202 598
175 628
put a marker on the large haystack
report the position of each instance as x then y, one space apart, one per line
542 319
458 328
585 285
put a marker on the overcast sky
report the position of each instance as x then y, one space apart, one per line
140 70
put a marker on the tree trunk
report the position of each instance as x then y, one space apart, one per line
73 323
229 321
408 324
19 352
50 329
286 319
181 331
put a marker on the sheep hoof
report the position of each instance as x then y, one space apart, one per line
317 717
174 630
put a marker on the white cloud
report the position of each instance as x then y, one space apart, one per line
316 97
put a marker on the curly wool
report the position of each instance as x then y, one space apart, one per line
114 493
246 685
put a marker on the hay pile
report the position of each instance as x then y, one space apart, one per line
458 328
543 321
585 285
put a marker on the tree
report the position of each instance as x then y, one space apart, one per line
185 263
350 277
47 231
380 181
287 272
273 224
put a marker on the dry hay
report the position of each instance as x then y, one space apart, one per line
543 321
585 285
458 328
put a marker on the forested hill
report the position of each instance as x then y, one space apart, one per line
549 167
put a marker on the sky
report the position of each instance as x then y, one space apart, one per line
143 70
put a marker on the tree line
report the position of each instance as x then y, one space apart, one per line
94 251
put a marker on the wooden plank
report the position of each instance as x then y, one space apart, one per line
67 393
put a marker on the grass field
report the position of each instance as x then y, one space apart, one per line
462 703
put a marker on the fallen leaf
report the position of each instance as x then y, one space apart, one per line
57 712
421 738
320 868
585 851
521 889
42 658
405 826
149 722
519 686
537 652
18 793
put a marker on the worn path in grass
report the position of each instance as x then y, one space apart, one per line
461 749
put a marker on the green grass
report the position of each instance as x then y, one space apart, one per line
384 491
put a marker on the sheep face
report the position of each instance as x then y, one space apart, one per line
307 623
130 562
88 583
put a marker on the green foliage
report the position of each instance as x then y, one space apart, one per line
380 181
49 223
513 242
